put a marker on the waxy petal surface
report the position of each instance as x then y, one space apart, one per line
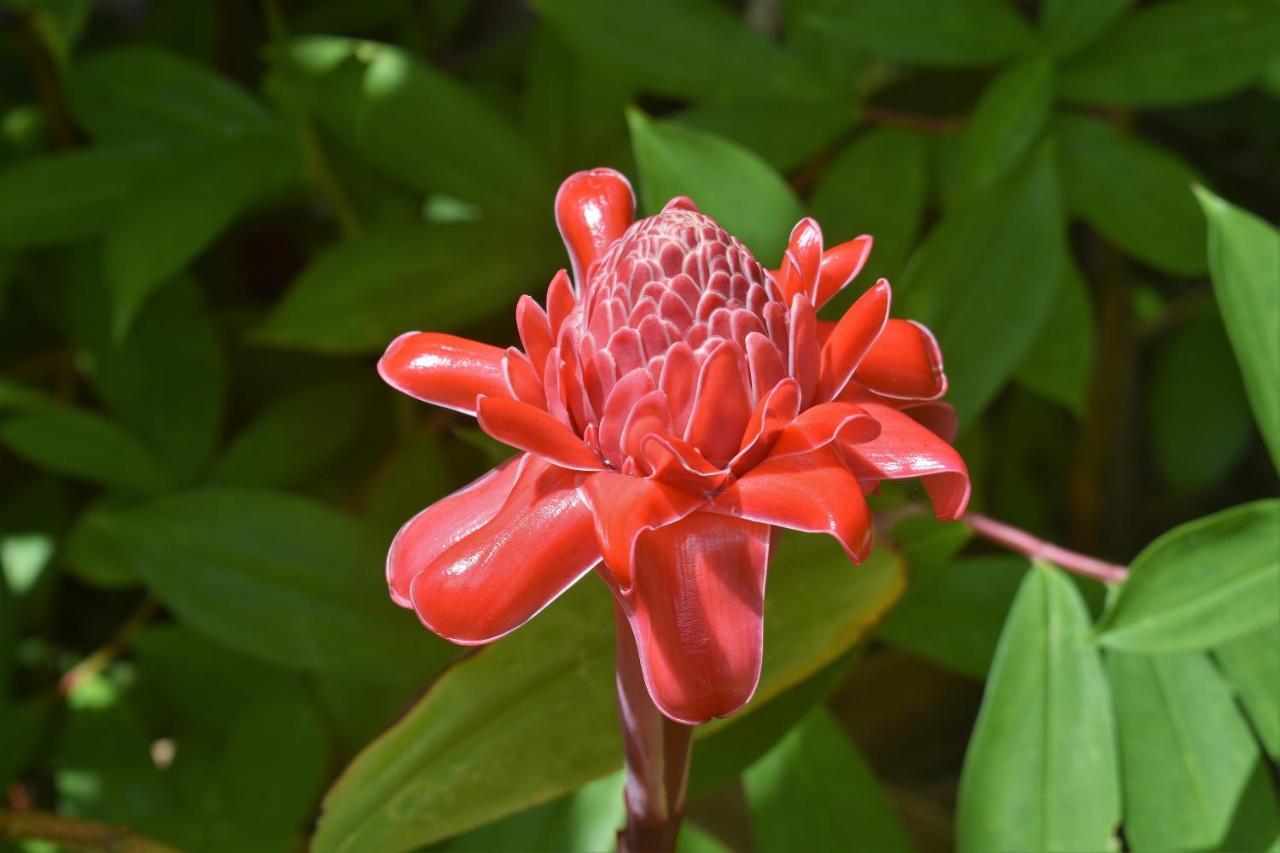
904 449
593 208
624 507
531 429
851 338
443 369
841 265
904 362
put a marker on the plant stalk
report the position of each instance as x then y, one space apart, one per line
1037 549
657 753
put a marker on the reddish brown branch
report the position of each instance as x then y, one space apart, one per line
76 834
912 121
1038 549
112 649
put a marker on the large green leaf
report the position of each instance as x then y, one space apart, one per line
785 132
1040 772
728 183
1251 663
1137 195
875 186
1176 52
358 295
956 33
1186 753
1244 260
1005 123
813 791
1069 25
681 48
411 121
1201 584
85 445
142 91
1059 363
271 575
985 278
532 716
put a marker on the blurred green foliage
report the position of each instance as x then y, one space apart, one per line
213 216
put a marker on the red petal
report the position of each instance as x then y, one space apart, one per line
813 492
906 449
846 423
841 265
697 613
532 429
624 507
443 370
774 412
852 337
938 418
495 579
429 533
904 363
560 302
679 463
722 406
535 331
523 382
592 210
798 272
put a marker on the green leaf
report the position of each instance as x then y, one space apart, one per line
532 716
875 186
1197 410
1137 195
85 445
142 91
956 33
270 575
295 435
1059 363
728 183
985 278
1185 752
680 48
1177 52
1200 584
785 132
586 821
813 791
694 839
1251 664
171 223
952 613
1006 122
441 278
1069 25
412 122
1244 261
1040 772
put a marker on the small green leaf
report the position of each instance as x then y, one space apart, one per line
1135 194
813 791
1040 773
532 716
875 186
271 575
1251 664
694 839
1200 584
85 445
680 48
1059 363
985 278
440 278
727 182
1177 52
1006 122
1070 25
956 33
1186 754
1244 261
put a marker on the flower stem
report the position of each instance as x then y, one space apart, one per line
657 752
1038 549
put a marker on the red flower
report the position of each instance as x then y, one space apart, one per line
670 408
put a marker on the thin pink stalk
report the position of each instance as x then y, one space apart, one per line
1038 549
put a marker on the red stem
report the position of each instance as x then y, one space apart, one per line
1038 549
657 751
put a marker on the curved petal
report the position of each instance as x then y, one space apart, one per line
443 370
535 331
721 405
841 265
906 449
429 533
495 579
798 272
531 429
904 362
593 208
697 613
852 337
624 507
772 414
814 492
844 423
560 302
523 382
804 351
938 418
679 463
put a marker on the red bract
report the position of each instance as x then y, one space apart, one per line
671 408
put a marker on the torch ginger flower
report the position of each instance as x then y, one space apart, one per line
672 403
